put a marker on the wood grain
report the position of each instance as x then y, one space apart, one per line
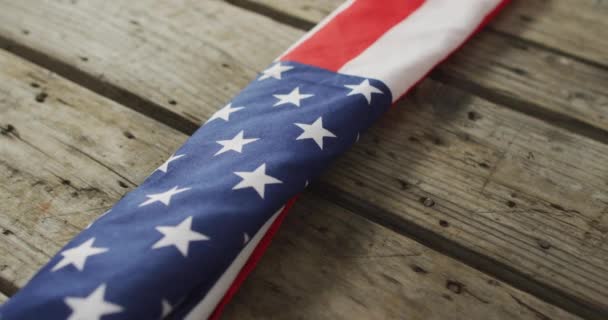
66 155
532 80
63 159
524 193
188 56
527 194
577 28
327 263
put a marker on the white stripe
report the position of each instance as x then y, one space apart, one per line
410 49
320 25
206 306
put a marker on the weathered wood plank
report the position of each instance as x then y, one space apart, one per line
66 155
470 167
525 193
532 80
61 160
577 28
327 263
512 69
166 52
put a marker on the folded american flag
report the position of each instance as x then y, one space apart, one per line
180 244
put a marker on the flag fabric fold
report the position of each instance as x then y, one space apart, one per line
179 245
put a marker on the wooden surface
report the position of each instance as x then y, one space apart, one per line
43 158
499 160
328 263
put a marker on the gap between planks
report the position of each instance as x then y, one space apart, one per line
103 88
456 251
353 240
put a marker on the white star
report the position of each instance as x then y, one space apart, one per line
245 238
365 89
224 113
164 197
179 236
256 179
293 97
165 166
235 144
92 307
166 308
274 71
77 256
314 131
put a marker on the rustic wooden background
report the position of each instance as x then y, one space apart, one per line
482 195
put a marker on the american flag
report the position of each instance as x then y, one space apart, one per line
179 245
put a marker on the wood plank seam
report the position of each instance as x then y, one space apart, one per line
544 47
306 23
527 107
454 286
99 86
274 14
439 243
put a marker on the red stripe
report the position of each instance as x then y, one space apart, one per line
351 32
252 261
